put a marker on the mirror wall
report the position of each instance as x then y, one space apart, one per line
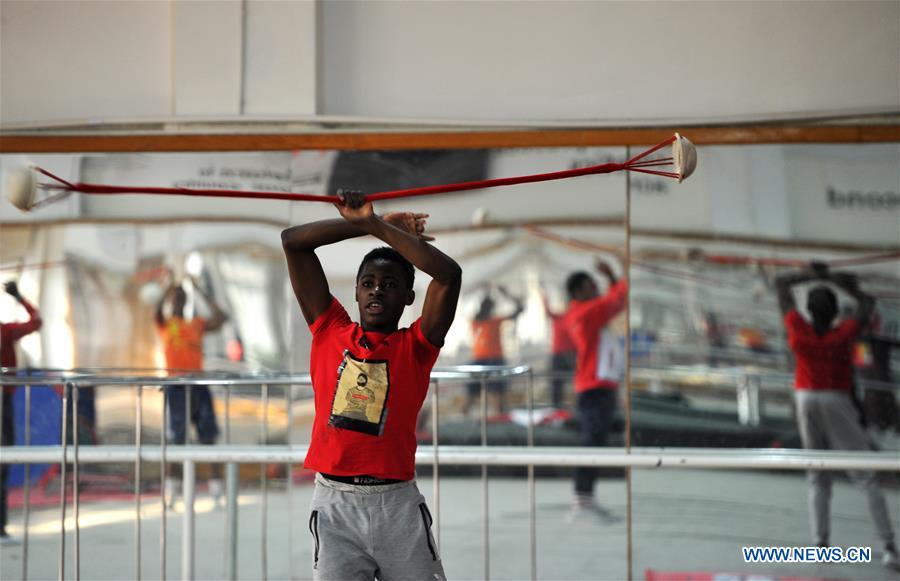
709 365
712 366
97 267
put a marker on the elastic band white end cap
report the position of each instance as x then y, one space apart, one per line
21 187
684 155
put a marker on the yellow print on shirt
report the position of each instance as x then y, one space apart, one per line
178 333
361 394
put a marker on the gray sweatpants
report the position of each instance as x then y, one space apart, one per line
828 421
372 532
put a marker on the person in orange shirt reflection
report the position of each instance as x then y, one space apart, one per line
754 340
487 348
183 347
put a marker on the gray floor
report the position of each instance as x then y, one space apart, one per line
686 520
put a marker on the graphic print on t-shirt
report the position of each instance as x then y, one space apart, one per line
361 396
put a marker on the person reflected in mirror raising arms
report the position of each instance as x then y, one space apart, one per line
487 348
10 333
828 416
599 367
182 341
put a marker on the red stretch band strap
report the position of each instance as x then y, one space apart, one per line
631 165
656 147
557 175
423 191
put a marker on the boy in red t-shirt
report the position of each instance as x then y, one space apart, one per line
823 384
370 380
599 366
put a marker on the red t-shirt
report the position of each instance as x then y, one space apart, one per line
600 358
12 332
183 343
486 342
822 361
560 341
369 388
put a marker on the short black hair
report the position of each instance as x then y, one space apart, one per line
822 303
575 281
391 255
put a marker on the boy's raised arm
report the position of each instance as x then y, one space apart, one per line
217 315
784 284
305 270
519 304
865 303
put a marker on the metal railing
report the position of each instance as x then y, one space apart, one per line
435 455
751 388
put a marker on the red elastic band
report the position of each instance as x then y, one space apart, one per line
632 165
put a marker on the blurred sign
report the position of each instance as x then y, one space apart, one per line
844 193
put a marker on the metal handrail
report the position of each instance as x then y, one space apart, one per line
770 380
7 377
567 456
435 455
74 379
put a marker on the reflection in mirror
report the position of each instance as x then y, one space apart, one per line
104 269
709 341
765 314
697 523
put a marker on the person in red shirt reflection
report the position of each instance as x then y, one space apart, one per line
562 352
487 348
599 366
370 380
823 389
10 333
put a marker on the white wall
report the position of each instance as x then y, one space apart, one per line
62 60
610 60
783 191
206 55
91 60
487 60
281 53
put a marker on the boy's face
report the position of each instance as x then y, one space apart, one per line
382 293
587 290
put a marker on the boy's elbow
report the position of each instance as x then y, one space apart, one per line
453 276
294 238
287 238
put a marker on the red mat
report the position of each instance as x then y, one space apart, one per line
650 575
